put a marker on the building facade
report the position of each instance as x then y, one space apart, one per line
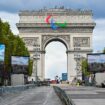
73 28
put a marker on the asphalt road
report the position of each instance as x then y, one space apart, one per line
86 95
37 96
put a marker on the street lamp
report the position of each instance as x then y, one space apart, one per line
36 57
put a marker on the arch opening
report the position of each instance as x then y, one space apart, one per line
55 59
57 40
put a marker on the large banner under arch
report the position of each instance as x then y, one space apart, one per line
96 62
20 64
2 58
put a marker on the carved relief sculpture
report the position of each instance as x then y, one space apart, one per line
31 41
81 41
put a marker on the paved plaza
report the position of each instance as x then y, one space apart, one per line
36 96
86 95
46 96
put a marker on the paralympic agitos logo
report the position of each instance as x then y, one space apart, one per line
55 25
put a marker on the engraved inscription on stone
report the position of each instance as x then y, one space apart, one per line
60 30
31 41
81 42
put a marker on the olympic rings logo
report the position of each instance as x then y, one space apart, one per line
55 25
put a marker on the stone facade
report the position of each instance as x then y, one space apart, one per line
76 36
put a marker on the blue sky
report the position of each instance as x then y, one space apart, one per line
14 6
9 12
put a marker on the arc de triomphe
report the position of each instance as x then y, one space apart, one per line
76 35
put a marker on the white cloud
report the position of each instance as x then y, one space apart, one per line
56 60
12 19
99 35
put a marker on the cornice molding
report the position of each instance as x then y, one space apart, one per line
80 51
38 25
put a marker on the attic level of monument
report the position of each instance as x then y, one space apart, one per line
56 12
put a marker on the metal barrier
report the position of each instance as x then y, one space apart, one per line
12 89
63 96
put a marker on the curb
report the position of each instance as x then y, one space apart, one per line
63 96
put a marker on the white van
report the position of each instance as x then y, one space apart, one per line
100 79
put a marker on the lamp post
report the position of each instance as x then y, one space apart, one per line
36 57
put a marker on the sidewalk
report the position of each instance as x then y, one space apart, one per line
86 95
37 96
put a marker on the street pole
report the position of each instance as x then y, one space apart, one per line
36 72
36 57
35 68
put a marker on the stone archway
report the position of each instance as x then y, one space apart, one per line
76 36
65 39
55 59
46 39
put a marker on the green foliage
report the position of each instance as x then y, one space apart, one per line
104 50
18 47
85 67
0 28
30 67
14 45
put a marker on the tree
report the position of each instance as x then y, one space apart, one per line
18 47
0 27
14 46
30 67
104 50
85 67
